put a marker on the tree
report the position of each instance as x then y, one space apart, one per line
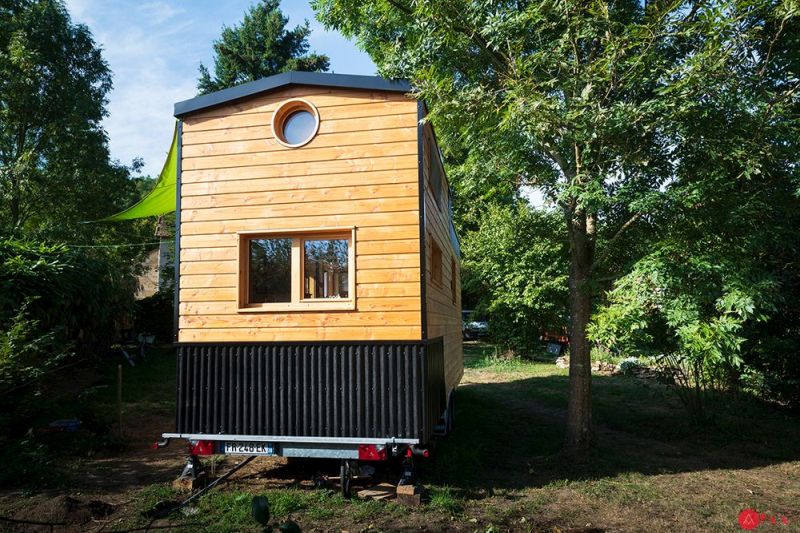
261 46
53 87
515 263
598 105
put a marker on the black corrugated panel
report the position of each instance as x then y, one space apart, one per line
435 396
379 390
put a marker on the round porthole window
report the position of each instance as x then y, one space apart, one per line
295 122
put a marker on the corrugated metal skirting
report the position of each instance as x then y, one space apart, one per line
379 390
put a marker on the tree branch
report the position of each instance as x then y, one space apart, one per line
606 249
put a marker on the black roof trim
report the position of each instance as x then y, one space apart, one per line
277 81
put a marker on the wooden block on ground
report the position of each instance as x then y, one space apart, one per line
409 489
410 495
187 484
384 491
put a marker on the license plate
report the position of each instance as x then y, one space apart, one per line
249 448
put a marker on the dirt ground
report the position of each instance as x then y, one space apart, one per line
500 471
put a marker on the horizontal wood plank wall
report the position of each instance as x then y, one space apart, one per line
443 315
360 170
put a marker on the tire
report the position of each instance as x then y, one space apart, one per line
345 479
451 411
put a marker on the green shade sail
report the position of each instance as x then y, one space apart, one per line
162 199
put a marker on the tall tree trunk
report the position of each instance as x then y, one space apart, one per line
579 409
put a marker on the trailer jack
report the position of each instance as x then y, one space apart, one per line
409 471
193 469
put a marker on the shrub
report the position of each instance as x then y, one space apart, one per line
514 267
693 313
56 303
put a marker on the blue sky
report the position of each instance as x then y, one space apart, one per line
154 49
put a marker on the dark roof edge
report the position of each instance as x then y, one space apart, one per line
325 79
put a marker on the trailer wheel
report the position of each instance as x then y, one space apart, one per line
451 411
346 478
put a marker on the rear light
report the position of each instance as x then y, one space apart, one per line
371 452
201 447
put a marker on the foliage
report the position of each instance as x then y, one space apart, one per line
688 307
59 303
261 46
53 149
515 261
58 300
55 302
624 115
772 367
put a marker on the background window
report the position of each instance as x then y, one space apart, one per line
270 270
325 268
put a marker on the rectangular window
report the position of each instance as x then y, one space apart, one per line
436 172
436 262
270 271
325 268
297 270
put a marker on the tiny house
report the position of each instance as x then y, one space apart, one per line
317 286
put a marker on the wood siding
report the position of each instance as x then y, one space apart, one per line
360 170
443 314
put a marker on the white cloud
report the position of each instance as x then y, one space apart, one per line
159 12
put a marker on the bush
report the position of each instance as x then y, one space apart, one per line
772 367
694 314
56 303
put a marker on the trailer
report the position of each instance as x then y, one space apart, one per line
318 302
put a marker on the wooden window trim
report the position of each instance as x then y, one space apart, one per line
298 303
287 108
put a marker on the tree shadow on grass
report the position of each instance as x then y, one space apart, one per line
509 435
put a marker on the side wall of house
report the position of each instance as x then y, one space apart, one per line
360 170
443 298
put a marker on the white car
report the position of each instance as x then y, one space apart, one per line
473 326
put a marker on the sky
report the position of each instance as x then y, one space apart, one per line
154 50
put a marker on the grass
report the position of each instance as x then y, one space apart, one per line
510 426
502 468
230 510
445 499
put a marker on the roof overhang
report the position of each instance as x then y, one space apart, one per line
322 79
